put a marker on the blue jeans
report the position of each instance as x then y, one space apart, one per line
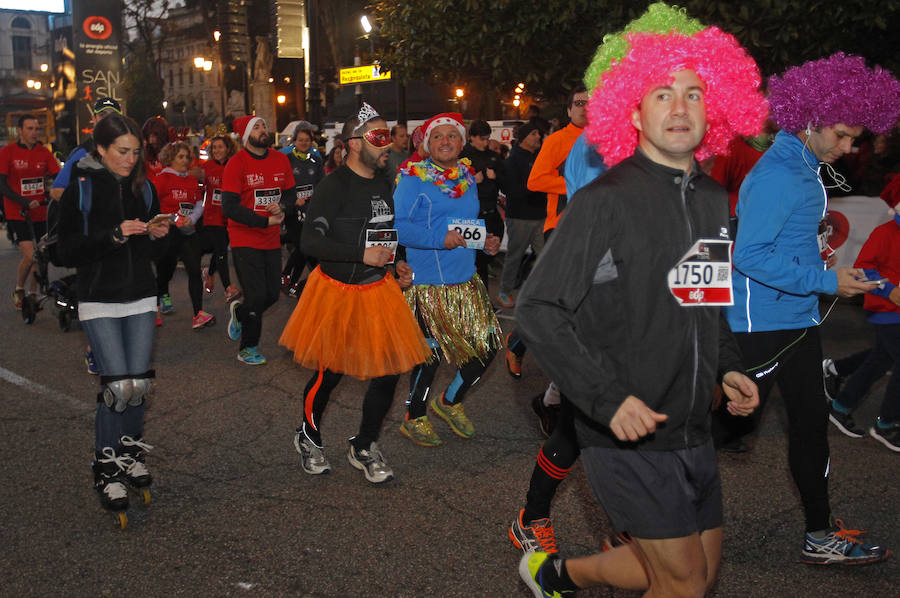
121 347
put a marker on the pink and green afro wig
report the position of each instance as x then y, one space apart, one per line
672 42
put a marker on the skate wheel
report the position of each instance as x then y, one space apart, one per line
145 494
122 518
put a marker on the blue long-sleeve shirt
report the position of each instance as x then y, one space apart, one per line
583 165
422 215
778 268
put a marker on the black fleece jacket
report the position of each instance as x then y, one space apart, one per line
597 313
108 272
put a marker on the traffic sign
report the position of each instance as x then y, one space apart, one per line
363 74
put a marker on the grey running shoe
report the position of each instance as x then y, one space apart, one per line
841 547
888 436
831 379
312 457
371 462
537 536
844 422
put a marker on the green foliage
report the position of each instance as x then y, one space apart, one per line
143 88
549 43
784 33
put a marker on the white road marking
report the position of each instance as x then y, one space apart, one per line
43 391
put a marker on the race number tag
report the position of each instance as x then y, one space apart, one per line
471 229
217 197
825 230
264 197
384 237
703 275
304 192
185 209
33 187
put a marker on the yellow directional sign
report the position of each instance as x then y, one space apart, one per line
364 74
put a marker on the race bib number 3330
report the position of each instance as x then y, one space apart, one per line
702 277
263 197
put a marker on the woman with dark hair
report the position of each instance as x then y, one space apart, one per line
335 157
221 148
107 231
179 194
155 135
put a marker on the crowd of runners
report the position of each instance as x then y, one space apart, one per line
662 307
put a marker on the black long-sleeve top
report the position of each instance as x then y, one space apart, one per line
597 313
342 208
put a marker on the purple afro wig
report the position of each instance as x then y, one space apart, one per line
734 104
837 89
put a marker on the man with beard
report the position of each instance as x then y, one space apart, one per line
254 182
352 318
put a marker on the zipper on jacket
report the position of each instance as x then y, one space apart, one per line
685 182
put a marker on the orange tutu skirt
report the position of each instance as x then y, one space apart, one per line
366 331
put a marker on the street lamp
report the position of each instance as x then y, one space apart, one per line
366 25
202 63
460 93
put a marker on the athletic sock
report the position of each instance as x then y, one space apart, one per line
551 395
556 576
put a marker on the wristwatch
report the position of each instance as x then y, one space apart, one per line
118 237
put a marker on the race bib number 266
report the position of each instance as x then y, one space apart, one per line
472 230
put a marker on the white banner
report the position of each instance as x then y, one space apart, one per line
851 220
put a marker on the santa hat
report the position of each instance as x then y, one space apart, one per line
445 118
891 193
417 136
245 124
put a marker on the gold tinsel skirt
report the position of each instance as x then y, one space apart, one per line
459 317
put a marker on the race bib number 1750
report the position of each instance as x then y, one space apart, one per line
702 277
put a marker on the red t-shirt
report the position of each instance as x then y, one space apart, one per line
25 170
177 194
212 196
153 169
258 182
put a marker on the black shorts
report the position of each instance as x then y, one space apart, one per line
657 494
22 232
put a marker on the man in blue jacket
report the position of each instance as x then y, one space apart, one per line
781 268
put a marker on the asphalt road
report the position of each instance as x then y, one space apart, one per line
234 515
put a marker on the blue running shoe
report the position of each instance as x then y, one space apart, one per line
234 327
165 304
90 363
841 547
251 356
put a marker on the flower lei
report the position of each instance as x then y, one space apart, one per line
452 181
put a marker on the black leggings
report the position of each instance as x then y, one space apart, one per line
376 404
793 360
422 377
217 238
187 248
555 459
257 270
297 260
